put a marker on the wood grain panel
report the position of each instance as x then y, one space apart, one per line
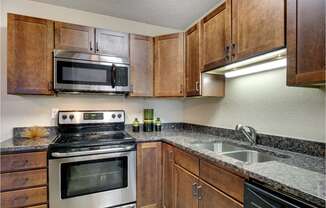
141 61
212 197
169 65
225 181
183 195
306 51
24 198
29 59
74 37
149 174
193 61
216 37
187 161
258 26
168 176
24 179
23 161
112 43
39 206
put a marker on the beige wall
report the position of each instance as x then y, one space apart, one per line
264 102
36 110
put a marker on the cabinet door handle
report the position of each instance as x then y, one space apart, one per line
200 192
97 48
197 86
90 45
194 190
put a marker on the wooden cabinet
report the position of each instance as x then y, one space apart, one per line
258 26
216 37
211 197
187 161
168 176
74 37
169 65
306 42
29 63
149 171
192 37
110 43
24 180
185 188
141 62
222 179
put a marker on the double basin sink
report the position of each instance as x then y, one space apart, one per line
239 153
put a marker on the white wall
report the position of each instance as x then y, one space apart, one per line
36 110
264 102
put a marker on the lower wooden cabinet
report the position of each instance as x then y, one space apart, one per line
149 172
24 180
168 176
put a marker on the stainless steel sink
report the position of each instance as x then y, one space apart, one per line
217 147
250 156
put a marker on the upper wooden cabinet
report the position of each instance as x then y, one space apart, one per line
112 43
141 62
192 37
306 42
149 172
258 26
169 65
74 37
216 37
29 64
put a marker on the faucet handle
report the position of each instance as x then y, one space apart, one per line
238 127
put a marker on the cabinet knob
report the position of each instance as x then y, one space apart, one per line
90 45
194 190
199 192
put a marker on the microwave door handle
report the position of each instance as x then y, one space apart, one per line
113 76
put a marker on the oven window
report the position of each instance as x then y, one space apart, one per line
83 73
80 178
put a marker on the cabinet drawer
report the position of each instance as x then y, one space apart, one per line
24 179
225 181
187 161
23 198
23 161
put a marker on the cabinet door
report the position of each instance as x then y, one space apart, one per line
149 167
306 42
30 46
192 61
211 197
168 180
258 26
216 37
141 61
112 43
74 37
185 183
169 65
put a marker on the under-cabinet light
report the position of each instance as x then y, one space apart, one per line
276 64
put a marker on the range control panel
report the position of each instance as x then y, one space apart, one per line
91 117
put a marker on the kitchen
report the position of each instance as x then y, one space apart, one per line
178 60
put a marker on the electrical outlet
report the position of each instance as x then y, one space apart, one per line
54 113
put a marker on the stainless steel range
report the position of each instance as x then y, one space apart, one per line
93 161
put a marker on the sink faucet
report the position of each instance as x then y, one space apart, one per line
249 132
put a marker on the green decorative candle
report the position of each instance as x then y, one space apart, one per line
148 120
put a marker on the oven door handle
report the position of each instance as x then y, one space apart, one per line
92 152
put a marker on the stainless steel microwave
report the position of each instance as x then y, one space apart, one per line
83 72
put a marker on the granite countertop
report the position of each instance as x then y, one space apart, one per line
298 174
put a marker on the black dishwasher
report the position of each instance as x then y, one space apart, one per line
257 196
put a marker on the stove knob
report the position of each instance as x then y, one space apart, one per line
71 117
119 115
113 116
64 117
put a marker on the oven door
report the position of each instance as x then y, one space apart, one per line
95 181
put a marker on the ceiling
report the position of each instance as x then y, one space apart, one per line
178 14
